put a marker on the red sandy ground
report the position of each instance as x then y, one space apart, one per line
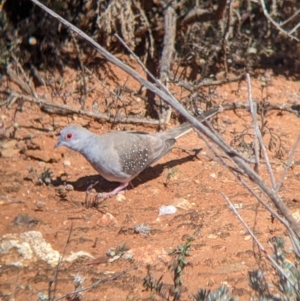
221 252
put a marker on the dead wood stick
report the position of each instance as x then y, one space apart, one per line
60 109
167 56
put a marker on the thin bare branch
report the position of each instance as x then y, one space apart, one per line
200 15
52 290
258 134
206 83
267 15
288 164
170 17
253 111
59 109
5 200
274 263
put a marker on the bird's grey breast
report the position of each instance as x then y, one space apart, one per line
101 153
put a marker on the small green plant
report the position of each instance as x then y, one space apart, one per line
220 294
143 229
46 177
42 296
150 283
287 284
178 265
118 251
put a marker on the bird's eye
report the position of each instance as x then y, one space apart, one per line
69 136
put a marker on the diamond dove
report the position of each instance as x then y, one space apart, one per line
121 156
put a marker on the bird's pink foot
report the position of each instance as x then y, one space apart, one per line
117 190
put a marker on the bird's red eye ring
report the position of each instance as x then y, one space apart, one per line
69 136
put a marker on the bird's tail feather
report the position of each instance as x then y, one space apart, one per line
184 128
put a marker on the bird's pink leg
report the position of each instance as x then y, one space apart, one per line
114 192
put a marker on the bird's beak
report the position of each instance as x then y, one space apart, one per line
57 144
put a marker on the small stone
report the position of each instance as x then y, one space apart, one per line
115 258
296 215
32 40
165 210
128 255
121 197
40 205
142 229
75 255
108 219
8 153
67 163
111 252
9 144
69 187
148 255
212 236
247 237
238 206
182 204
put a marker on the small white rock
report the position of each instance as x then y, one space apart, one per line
165 210
69 187
247 237
212 236
67 163
238 206
121 197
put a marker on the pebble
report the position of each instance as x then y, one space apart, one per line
9 144
120 197
67 163
40 204
247 237
108 219
69 187
296 215
9 152
212 236
165 210
182 203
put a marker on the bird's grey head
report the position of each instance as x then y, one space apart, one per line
72 137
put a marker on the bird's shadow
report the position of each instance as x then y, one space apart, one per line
152 172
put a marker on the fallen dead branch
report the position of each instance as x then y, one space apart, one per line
64 110
202 15
5 200
167 54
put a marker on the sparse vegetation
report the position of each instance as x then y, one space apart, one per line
191 49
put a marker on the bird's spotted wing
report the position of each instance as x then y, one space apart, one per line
140 150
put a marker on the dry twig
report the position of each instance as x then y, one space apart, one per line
267 15
274 263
